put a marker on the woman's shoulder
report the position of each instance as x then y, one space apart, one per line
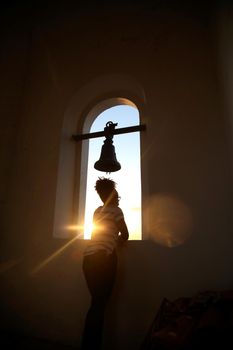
109 209
118 210
115 211
98 210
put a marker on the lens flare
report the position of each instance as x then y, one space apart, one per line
46 261
169 220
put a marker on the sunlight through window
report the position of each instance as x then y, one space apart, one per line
128 179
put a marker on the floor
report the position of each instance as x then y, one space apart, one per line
9 341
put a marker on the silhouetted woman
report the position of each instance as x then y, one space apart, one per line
100 260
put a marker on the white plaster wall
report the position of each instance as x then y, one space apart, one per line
186 151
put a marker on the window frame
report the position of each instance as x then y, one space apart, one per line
102 107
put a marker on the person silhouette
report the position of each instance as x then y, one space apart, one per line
100 260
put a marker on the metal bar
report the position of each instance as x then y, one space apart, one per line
92 135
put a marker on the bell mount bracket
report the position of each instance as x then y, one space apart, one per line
109 131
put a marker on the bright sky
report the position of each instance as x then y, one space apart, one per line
128 179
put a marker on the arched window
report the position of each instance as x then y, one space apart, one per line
86 106
128 179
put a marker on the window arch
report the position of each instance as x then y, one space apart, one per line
128 179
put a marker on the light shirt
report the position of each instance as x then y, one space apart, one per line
105 232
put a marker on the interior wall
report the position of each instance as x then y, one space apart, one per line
14 65
186 153
224 49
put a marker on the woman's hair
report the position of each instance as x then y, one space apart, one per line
105 188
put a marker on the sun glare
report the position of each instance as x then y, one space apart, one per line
128 179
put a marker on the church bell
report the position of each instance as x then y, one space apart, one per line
108 161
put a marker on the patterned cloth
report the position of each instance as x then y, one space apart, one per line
105 231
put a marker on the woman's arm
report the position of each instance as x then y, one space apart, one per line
124 233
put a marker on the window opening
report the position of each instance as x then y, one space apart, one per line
128 179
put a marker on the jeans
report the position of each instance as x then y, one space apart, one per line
100 271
